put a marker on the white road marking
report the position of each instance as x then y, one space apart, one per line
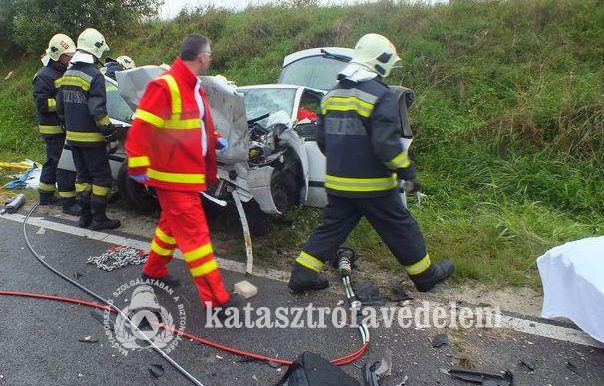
227 264
514 323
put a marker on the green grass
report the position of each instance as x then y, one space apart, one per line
509 115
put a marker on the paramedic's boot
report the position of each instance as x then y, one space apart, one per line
47 198
437 273
100 221
305 279
236 302
71 207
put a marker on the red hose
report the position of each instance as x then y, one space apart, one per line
341 361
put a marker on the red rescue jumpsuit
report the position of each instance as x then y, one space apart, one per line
176 150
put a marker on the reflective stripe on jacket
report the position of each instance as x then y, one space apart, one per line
165 140
359 131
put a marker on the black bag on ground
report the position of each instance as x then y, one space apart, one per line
310 369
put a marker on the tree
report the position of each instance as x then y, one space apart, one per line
28 24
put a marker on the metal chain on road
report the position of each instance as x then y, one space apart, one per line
118 257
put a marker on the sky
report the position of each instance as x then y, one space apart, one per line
172 7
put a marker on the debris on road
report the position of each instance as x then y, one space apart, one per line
404 381
398 295
440 340
368 293
156 371
246 289
574 369
504 378
88 339
529 363
118 257
14 204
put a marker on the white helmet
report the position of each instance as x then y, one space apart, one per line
60 44
126 62
376 53
92 42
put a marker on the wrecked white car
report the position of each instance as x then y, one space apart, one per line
273 162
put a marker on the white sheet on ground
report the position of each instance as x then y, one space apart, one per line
573 284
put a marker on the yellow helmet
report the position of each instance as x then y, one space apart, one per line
376 53
93 42
60 44
126 62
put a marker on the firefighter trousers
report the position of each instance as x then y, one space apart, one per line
387 215
53 177
182 224
93 180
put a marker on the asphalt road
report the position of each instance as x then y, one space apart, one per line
39 340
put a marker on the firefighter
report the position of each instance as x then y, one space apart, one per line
120 64
45 84
172 147
359 131
83 103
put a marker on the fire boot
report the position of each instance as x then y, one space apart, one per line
437 273
71 207
47 198
100 221
85 214
305 279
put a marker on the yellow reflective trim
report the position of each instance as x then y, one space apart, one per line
185 124
205 268
355 104
160 250
137 162
67 194
109 86
52 104
400 161
46 187
198 253
176 102
79 136
45 129
58 82
348 184
176 177
83 187
104 121
76 81
419 267
149 118
164 237
100 190
310 262
176 105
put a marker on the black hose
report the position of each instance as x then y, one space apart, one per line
178 367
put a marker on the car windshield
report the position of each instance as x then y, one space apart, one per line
260 101
117 108
315 72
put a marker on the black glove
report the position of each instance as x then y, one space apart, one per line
110 133
411 186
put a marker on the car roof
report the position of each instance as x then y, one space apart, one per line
320 51
278 85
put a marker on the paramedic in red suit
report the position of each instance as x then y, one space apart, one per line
172 147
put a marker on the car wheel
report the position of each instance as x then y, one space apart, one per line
284 190
136 196
257 220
